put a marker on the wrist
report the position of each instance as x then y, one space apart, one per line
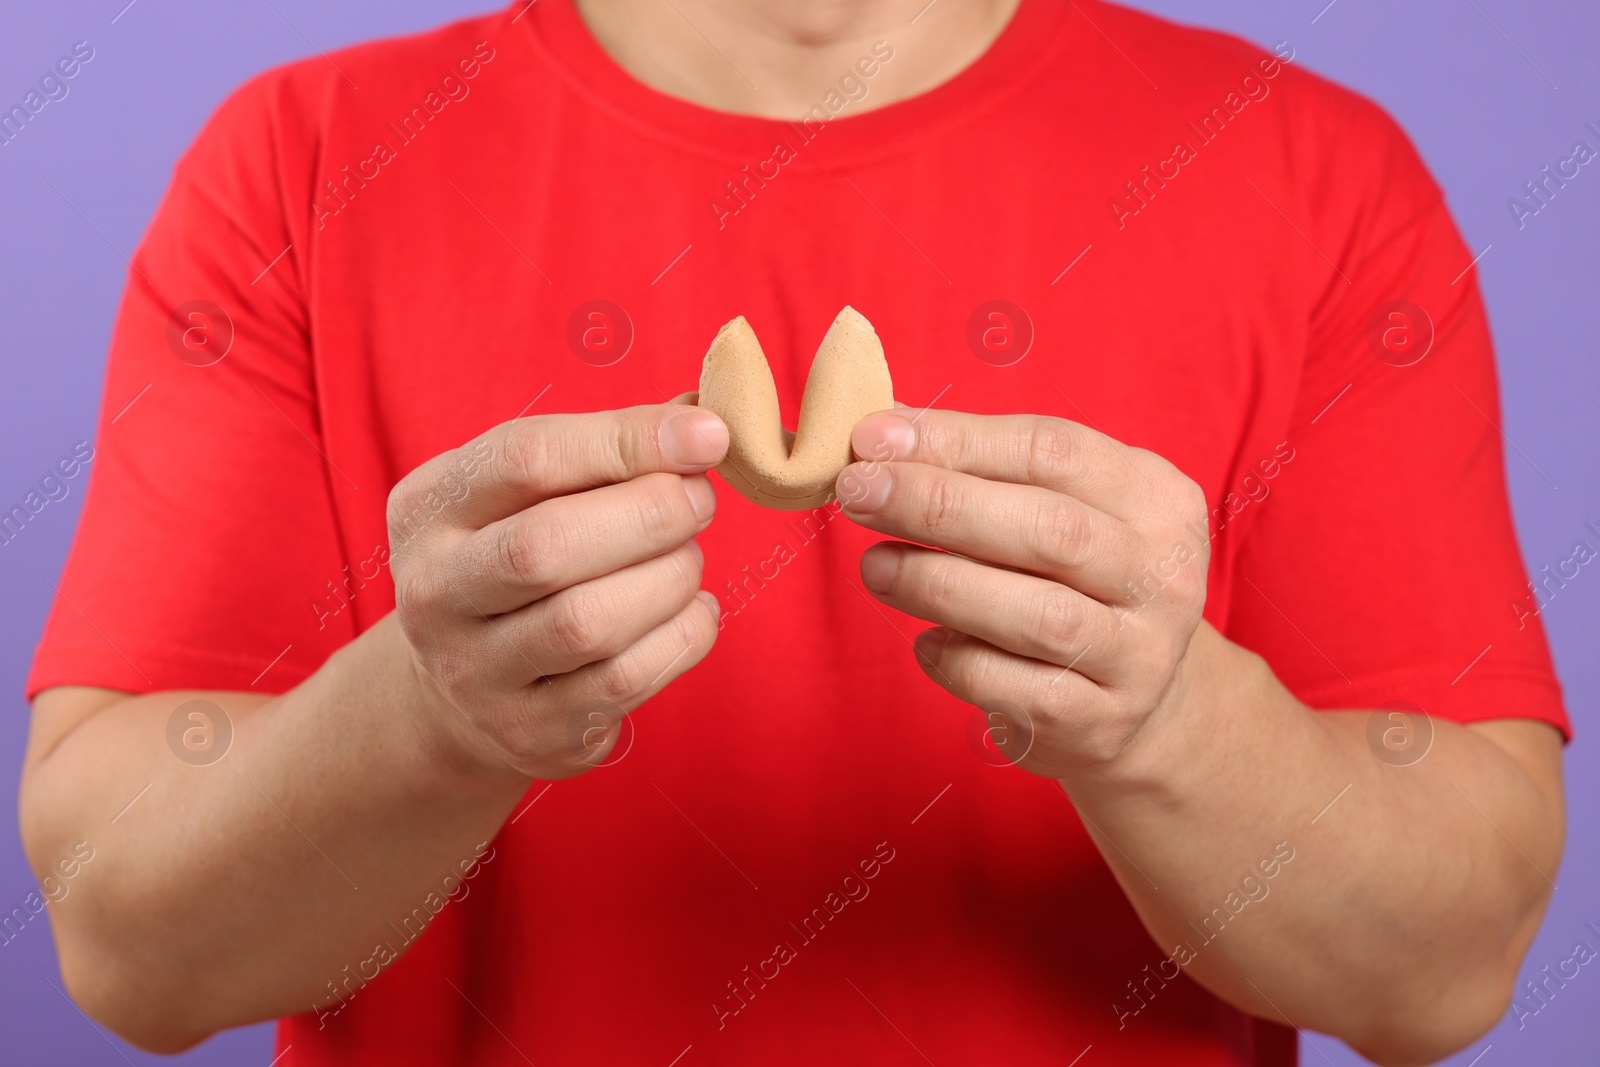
1217 690
448 749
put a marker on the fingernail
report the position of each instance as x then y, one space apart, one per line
702 498
693 438
711 602
698 552
930 645
864 487
879 565
883 437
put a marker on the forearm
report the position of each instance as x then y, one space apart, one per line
1412 890
1392 904
238 891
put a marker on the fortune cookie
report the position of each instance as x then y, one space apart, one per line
849 379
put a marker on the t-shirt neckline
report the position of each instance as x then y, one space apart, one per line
1028 41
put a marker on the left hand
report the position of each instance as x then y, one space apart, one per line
1071 582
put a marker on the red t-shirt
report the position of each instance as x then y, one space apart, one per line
802 857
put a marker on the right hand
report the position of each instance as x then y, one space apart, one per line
558 586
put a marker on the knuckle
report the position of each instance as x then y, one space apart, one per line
528 448
935 437
1152 464
941 504
1057 619
654 511
1192 499
956 442
527 551
1098 747
507 729
627 676
1052 447
1183 584
413 596
634 446
942 586
697 629
682 570
1064 532
422 589
405 512
450 665
1120 726
975 667
1111 732
1052 716
578 625
622 677
691 565
1188 500
1180 492
395 506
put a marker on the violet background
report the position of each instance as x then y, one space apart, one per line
1490 90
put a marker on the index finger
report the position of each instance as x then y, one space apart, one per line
1040 450
525 461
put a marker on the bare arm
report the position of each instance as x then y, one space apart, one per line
1268 849
228 893
1413 892
333 813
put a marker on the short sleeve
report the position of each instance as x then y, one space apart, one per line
208 554
1383 566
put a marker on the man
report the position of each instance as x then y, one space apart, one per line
1222 725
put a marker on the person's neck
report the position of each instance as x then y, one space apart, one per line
781 58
